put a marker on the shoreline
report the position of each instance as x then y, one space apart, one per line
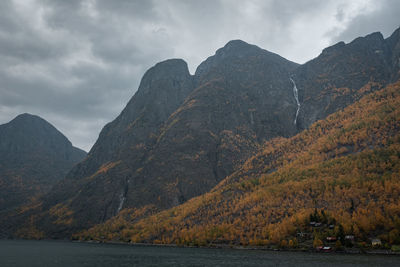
356 251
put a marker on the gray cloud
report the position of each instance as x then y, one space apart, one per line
384 18
77 63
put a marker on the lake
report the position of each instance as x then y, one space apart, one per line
58 253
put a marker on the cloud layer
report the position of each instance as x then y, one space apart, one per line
77 63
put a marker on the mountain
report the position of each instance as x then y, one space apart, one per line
345 72
181 135
343 171
33 157
218 126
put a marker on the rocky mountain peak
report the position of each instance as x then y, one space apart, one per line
170 71
27 132
394 37
233 49
375 36
26 120
333 48
162 88
34 155
180 135
27 117
234 56
373 41
236 48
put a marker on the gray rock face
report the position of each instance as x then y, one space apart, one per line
33 156
345 72
393 54
180 135
242 98
96 189
162 90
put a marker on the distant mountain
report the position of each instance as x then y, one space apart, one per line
33 157
343 173
180 135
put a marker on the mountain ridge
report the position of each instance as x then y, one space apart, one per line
166 148
325 171
34 155
136 169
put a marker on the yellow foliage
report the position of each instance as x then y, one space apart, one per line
105 168
348 165
63 215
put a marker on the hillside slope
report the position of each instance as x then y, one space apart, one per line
33 157
344 171
180 135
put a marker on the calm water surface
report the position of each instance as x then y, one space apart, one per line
56 253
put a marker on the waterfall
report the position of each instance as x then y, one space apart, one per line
296 96
121 201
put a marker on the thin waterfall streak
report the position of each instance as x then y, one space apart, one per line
296 97
121 202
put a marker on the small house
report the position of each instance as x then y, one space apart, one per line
327 249
349 237
331 238
376 242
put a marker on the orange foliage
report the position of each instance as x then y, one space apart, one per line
105 168
347 165
63 215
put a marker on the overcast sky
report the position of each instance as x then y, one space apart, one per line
77 63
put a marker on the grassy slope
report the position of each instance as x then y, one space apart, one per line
347 165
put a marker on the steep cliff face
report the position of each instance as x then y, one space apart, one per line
345 72
393 45
347 165
180 135
243 97
162 90
96 189
33 156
